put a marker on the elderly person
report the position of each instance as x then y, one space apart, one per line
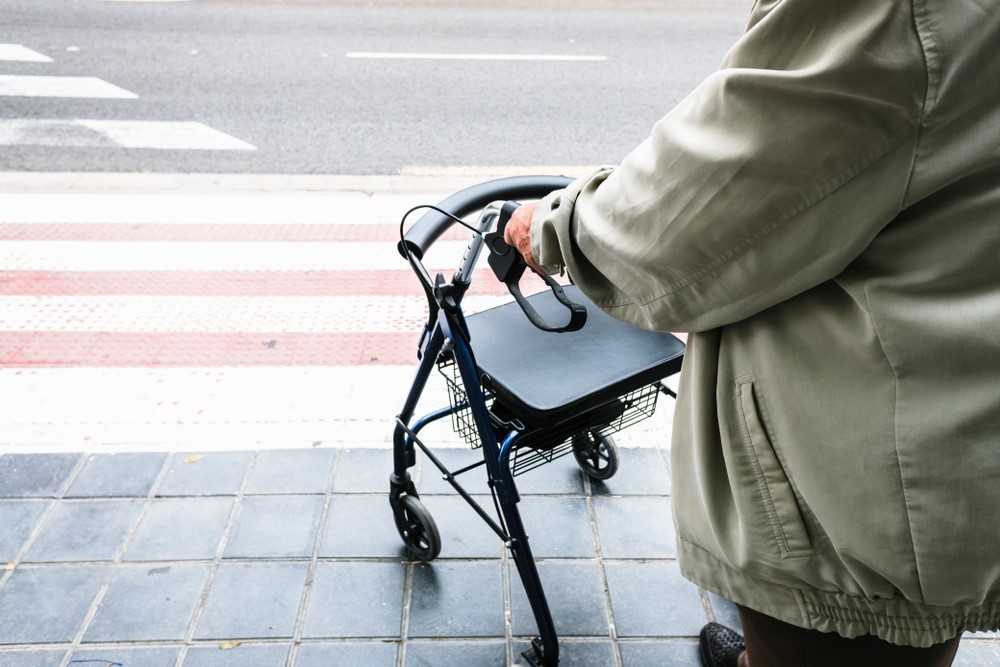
823 214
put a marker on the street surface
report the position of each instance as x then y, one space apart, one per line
246 292
342 88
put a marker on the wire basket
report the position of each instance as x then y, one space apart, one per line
625 410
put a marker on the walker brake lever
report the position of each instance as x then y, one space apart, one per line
508 265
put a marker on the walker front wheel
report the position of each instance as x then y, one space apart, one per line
417 528
596 454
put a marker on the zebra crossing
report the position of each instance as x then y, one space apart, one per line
151 319
95 132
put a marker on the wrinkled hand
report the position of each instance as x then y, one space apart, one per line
518 234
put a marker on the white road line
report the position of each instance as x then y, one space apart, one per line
214 256
472 56
178 135
16 85
161 135
325 208
17 52
203 314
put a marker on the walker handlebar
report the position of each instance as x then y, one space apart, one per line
432 225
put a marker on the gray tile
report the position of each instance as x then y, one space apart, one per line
457 599
575 594
291 471
725 612
978 654
558 527
244 655
659 654
85 530
368 654
430 480
275 526
253 600
18 519
117 475
148 603
361 526
35 475
562 476
464 534
363 471
181 529
642 472
31 658
651 599
127 657
574 654
356 600
456 654
213 474
635 527
47 604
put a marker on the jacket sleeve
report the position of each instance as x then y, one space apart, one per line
770 178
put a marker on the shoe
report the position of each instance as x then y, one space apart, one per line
719 646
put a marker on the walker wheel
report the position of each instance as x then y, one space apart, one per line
417 528
596 454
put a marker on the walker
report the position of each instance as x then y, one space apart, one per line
528 382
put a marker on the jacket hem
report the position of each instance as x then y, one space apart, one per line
895 620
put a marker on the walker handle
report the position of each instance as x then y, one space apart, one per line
508 265
432 224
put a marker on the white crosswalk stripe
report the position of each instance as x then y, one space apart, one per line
17 85
207 256
20 53
277 208
95 132
161 135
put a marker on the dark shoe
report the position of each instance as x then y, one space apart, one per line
719 646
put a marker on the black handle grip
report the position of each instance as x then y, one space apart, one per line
508 265
432 225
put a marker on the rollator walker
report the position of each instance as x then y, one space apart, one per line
528 381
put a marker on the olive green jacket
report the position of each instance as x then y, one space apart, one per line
824 211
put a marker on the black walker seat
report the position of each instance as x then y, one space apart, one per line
523 395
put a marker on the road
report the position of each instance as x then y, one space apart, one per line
328 87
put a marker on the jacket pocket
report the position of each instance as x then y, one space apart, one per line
776 492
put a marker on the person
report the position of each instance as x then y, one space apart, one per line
822 214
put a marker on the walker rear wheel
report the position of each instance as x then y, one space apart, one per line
417 528
596 454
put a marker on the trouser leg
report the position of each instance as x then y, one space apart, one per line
774 643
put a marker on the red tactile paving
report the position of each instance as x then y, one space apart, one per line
172 349
50 349
226 283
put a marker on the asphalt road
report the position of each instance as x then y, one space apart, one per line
278 76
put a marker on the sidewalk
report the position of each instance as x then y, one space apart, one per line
225 516
150 559
283 558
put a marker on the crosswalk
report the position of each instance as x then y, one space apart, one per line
95 132
211 320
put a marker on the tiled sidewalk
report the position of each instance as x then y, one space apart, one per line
283 558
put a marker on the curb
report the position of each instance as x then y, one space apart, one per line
201 183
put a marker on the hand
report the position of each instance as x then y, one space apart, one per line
517 233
